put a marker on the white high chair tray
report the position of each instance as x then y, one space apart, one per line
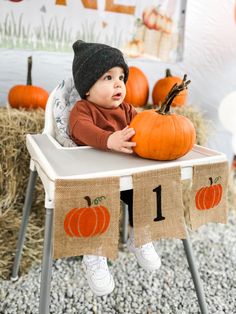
59 162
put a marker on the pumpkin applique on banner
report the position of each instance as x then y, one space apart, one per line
209 196
208 203
87 221
86 217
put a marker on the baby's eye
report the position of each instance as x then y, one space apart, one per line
108 77
122 77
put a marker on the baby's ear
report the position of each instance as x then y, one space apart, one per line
87 94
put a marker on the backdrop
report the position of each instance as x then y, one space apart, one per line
150 29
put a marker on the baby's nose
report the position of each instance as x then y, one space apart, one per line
117 83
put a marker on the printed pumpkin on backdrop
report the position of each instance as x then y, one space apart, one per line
87 221
158 32
209 196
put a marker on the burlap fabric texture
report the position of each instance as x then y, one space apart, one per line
86 217
208 197
158 208
87 211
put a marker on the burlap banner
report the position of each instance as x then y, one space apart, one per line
208 201
86 217
158 208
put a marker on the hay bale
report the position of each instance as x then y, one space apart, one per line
202 126
9 226
14 157
14 172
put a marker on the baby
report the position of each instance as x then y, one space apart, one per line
101 119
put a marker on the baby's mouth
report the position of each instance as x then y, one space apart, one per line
117 95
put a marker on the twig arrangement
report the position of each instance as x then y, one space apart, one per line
175 90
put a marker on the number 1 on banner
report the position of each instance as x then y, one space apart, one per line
159 216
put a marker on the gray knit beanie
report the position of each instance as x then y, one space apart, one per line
91 61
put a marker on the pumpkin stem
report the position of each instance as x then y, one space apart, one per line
175 90
29 77
88 199
211 180
168 73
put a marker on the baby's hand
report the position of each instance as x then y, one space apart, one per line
119 140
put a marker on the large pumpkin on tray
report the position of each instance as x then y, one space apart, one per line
28 96
162 87
161 135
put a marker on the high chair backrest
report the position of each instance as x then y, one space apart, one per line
59 105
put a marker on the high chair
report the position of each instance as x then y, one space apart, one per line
50 160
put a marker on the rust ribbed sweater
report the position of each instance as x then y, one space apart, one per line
91 125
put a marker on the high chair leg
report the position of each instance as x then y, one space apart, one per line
195 276
125 223
46 274
24 223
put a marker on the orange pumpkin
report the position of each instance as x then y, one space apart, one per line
161 135
87 221
137 88
209 196
162 87
27 96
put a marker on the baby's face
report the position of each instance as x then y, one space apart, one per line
109 90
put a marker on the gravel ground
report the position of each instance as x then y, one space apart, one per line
166 291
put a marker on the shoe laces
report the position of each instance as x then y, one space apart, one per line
147 248
96 263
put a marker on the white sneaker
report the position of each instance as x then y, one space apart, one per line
97 273
146 255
